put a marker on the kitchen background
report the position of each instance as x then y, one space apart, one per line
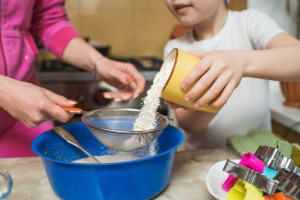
132 28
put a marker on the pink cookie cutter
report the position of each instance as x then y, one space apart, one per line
248 160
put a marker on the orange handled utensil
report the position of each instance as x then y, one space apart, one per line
73 110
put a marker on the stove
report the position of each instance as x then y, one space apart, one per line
82 86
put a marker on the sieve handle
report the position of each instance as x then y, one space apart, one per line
73 110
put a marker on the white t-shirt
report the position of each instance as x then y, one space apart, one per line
248 107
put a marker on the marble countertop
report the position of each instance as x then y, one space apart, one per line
187 179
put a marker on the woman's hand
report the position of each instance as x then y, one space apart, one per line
124 76
219 72
32 104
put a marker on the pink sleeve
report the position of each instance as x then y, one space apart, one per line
50 26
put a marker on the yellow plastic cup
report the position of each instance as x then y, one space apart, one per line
183 63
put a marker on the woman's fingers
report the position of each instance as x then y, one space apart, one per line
125 77
138 83
48 111
53 107
118 96
56 112
58 99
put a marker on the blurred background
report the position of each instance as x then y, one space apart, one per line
131 28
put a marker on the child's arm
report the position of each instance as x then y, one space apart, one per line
279 62
223 70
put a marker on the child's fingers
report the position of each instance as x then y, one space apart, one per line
226 93
199 54
201 85
194 75
212 93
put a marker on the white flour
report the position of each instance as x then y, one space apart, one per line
107 159
147 116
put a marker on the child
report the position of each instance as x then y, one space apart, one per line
215 27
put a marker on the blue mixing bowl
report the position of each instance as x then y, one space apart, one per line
139 179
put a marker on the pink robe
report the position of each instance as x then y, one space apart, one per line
48 23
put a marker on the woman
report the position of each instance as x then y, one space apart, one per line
27 108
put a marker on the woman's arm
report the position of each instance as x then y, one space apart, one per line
124 76
51 27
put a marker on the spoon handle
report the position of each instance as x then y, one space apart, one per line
70 139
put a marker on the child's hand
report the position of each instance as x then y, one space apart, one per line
176 106
221 71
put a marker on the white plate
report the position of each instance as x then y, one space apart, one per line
215 179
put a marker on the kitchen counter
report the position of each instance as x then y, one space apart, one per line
282 114
187 179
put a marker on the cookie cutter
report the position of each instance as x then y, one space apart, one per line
277 196
273 159
296 170
269 173
263 183
243 190
248 160
288 183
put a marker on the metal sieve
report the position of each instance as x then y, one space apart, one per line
113 127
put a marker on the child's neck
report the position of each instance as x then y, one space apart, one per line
210 27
